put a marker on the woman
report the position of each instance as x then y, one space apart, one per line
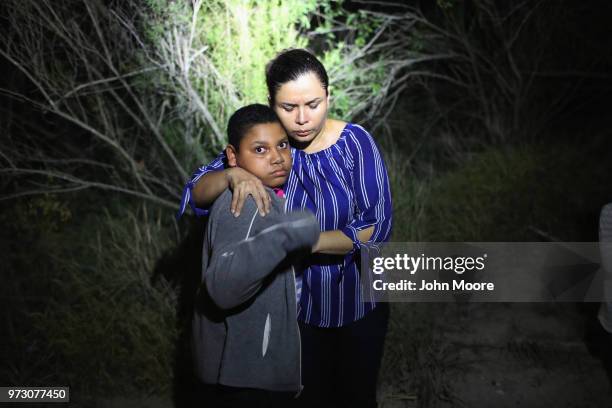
338 174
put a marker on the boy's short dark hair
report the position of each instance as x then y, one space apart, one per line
245 118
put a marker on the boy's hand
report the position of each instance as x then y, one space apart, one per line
242 183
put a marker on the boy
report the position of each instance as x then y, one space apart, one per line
245 332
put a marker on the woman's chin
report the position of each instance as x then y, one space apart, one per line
301 140
303 137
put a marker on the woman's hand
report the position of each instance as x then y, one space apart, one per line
242 183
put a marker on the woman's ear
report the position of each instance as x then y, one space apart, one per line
230 153
270 101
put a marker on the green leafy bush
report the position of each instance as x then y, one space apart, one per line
135 95
84 308
534 192
212 57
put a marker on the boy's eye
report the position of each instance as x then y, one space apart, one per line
260 149
283 145
313 105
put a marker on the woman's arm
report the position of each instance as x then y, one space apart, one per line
209 181
242 183
370 184
337 243
209 187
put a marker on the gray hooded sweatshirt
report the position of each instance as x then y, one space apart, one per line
245 331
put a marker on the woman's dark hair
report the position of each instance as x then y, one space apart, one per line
245 118
289 65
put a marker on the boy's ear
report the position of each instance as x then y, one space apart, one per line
230 153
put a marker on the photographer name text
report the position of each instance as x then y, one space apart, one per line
405 263
433 286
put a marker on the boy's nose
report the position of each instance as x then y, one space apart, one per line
277 157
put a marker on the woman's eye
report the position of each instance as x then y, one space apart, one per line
287 108
283 145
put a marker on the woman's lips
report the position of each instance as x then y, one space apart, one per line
302 133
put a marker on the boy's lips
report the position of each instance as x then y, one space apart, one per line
279 173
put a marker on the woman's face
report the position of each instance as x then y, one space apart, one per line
301 106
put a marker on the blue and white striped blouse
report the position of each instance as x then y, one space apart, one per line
347 187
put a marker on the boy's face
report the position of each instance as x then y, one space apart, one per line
264 152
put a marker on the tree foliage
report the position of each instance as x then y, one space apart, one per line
134 95
126 98
121 100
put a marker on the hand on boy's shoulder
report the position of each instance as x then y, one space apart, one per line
222 206
223 226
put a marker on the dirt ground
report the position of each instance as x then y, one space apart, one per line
495 355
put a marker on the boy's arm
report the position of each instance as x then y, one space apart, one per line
238 264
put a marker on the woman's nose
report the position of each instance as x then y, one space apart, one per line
301 116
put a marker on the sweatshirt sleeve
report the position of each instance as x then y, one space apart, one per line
240 261
186 198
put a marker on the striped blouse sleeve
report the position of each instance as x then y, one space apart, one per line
215 165
371 188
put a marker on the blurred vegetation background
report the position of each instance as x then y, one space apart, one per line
491 115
